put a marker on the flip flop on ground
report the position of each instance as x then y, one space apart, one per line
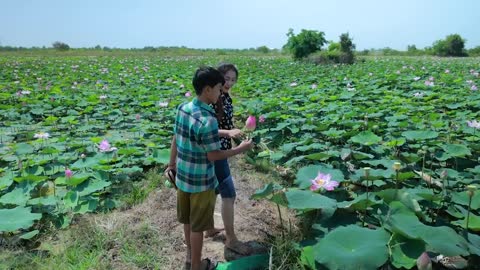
239 247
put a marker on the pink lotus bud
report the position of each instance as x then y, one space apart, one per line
68 173
137 117
251 123
261 119
188 94
424 262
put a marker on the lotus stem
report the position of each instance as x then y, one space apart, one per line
470 192
281 220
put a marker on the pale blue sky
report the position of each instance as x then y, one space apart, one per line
234 24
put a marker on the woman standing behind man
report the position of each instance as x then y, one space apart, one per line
226 188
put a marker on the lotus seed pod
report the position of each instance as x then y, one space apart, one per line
366 171
471 190
397 166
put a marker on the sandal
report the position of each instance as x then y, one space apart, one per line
215 232
240 248
171 174
211 265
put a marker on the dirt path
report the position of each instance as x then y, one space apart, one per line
254 220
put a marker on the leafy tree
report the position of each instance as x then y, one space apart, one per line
346 43
305 43
263 49
61 46
452 45
333 46
474 51
412 48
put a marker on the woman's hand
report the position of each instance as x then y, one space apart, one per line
235 133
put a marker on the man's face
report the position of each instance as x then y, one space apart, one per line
215 92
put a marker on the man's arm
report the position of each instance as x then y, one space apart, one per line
224 154
172 165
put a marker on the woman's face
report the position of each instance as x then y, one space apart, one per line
230 80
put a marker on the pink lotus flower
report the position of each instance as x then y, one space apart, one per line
104 146
474 87
424 262
261 119
68 173
251 123
473 124
323 181
137 117
41 135
429 83
188 94
163 104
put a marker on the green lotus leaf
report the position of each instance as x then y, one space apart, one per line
420 135
352 247
305 199
456 150
366 138
17 218
405 251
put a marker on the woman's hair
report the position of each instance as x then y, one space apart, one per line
223 68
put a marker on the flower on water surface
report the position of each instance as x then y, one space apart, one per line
104 146
41 135
418 94
473 124
261 119
251 123
163 104
429 83
68 173
424 262
323 181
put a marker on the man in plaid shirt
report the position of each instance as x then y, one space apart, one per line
195 147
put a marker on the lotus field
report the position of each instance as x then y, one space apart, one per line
384 153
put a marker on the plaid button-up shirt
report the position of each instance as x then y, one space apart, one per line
196 134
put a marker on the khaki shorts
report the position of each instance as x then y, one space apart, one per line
196 209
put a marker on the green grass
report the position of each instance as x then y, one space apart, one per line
88 245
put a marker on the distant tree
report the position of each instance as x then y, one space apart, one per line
452 45
347 48
263 49
305 43
98 47
333 46
474 51
60 46
412 48
346 43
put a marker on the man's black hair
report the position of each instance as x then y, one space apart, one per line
206 76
